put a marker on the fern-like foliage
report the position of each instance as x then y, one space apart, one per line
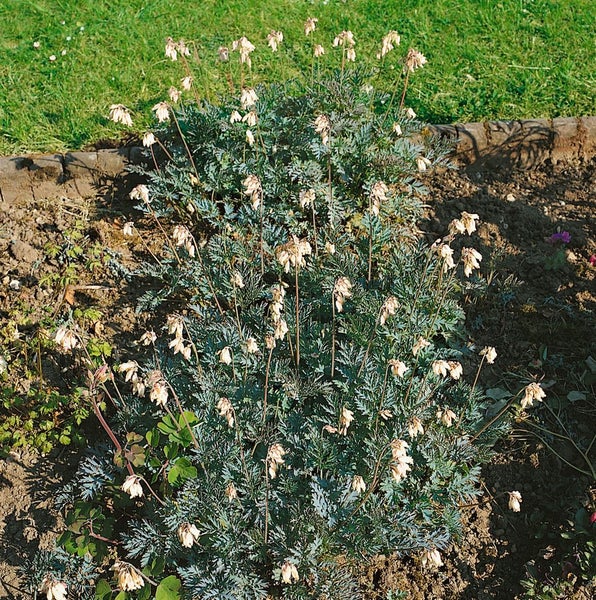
294 417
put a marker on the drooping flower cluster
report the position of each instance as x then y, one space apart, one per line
307 198
346 38
292 253
515 499
323 128
358 484
236 280
120 114
420 345
276 308
148 338
345 420
465 224
422 163
174 48
158 388
398 368
176 327
274 459
489 354
289 573
442 367
53 588
250 118
252 189
446 416
226 410
389 42
446 253
532 392
471 259
414 60
128 577
310 25
132 486
231 492
130 369
225 355
162 111
66 339
342 290
186 83
401 461
188 534
140 192
248 98
431 558
183 238
388 309
274 39
244 47
251 346
378 194
415 427
149 139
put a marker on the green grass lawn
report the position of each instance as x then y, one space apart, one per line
487 59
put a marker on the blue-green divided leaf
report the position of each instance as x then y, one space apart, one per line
168 589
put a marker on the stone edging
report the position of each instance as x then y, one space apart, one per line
492 144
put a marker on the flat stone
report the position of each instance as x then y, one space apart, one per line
46 168
112 162
537 129
566 128
80 164
80 187
567 140
15 183
472 139
503 132
535 143
443 131
588 128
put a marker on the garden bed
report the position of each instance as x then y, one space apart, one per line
537 309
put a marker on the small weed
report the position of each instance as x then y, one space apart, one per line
41 419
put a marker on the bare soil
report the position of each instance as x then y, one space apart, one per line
537 309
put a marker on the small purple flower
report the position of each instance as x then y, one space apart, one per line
564 237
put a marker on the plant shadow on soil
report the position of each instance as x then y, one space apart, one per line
538 314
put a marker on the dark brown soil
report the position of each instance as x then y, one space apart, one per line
536 307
